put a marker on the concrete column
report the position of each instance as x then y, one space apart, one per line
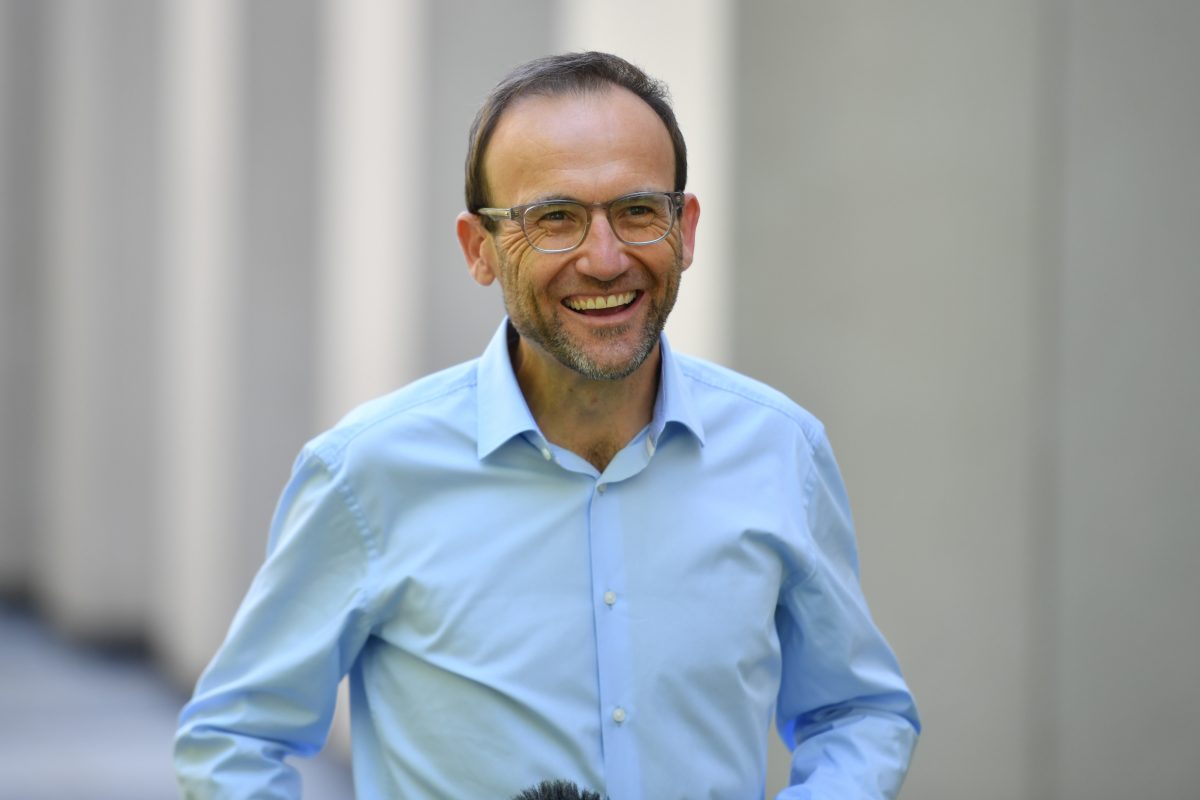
22 77
240 393
196 593
370 279
101 222
889 276
690 46
370 285
277 261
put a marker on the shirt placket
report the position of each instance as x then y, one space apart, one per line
614 657
615 614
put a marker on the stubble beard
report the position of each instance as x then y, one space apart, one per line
551 335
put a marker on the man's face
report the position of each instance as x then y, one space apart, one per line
591 148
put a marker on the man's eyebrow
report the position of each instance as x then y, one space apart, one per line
566 198
553 198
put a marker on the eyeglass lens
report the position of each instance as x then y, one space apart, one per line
640 219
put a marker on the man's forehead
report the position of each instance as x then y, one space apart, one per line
578 130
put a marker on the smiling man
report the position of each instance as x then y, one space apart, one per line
588 283
580 557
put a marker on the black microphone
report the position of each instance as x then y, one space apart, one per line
556 790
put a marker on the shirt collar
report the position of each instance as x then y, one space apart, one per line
675 403
503 412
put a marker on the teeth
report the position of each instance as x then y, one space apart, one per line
609 301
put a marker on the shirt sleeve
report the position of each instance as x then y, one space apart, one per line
843 709
270 691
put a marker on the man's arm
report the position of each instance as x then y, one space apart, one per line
269 693
843 708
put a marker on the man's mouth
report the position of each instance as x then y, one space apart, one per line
599 305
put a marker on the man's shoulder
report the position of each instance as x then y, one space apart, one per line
713 383
436 401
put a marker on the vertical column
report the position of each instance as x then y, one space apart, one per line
370 289
244 177
370 286
66 497
22 29
101 245
195 596
688 44
277 257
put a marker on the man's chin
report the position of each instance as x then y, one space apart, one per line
606 363
601 354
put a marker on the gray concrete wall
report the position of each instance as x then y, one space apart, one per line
978 263
889 280
1128 520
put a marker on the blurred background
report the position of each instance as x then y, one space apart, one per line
965 235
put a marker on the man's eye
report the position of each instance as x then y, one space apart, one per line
556 216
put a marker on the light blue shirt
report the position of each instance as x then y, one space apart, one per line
508 614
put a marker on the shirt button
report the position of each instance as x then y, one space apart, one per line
600 487
618 715
610 598
546 453
649 445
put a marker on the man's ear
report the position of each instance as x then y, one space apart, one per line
476 246
687 228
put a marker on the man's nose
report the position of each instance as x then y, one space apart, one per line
601 255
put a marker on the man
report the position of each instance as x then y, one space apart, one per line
581 556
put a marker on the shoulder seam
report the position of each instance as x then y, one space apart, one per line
330 451
809 424
367 536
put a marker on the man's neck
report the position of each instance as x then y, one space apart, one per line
593 419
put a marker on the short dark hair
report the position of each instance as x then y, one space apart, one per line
556 790
579 73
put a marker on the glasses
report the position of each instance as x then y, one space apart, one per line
556 226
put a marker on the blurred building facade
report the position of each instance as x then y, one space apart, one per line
964 235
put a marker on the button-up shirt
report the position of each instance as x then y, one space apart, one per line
508 614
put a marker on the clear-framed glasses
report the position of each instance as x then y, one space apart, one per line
556 226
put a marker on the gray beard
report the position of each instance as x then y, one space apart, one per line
570 355
551 337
